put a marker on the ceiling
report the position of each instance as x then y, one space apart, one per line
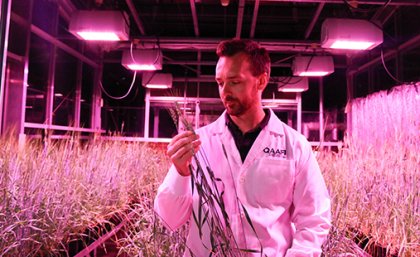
188 31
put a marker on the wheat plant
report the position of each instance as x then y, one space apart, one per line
376 192
52 195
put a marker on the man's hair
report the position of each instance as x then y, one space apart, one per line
258 56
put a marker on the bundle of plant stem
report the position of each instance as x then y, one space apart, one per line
52 195
210 206
376 193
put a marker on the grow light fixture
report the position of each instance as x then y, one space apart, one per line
312 66
144 59
292 84
157 80
100 25
351 34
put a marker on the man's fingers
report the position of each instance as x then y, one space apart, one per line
183 154
180 141
182 135
181 149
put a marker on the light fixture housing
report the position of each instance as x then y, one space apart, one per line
157 80
142 59
312 66
350 34
100 25
292 84
224 2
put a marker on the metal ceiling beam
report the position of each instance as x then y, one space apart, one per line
194 16
412 43
193 63
371 2
210 44
135 16
383 14
195 79
53 40
211 63
240 18
314 20
183 65
66 8
254 18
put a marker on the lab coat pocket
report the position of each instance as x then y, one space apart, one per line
270 182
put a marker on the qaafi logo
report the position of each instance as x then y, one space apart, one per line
274 152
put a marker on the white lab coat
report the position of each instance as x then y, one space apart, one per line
279 183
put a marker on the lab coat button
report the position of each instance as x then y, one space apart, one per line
241 180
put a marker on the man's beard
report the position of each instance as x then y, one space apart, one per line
234 107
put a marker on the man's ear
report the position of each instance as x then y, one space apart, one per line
262 81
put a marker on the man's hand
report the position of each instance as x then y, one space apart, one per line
181 150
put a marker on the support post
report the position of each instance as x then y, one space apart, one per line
78 93
147 113
299 112
321 110
5 6
349 79
156 123
197 114
49 108
96 101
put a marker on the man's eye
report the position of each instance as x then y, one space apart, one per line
235 82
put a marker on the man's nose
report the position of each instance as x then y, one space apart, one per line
224 89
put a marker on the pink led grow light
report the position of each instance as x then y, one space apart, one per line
351 34
314 66
156 86
312 73
142 67
102 36
352 45
142 59
100 25
157 80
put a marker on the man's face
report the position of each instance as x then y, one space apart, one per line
238 88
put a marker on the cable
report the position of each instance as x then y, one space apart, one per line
119 97
386 69
284 59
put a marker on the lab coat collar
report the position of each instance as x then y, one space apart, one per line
275 125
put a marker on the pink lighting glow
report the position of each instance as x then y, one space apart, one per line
312 66
142 59
142 67
292 84
157 86
292 90
313 73
100 36
156 80
352 45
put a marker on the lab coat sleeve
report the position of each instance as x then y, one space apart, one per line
173 202
311 212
